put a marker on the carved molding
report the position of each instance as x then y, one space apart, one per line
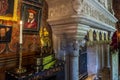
88 8
72 48
59 9
103 3
96 13
77 5
71 30
82 19
102 10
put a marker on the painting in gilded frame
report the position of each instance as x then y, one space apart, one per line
8 10
5 33
35 1
31 17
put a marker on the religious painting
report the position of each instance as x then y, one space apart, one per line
31 17
8 9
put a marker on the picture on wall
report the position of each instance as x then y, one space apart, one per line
5 33
31 17
8 9
35 1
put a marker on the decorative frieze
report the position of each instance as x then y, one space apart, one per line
95 13
77 5
59 11
87 8
96 36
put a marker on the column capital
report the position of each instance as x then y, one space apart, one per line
72 48
71 31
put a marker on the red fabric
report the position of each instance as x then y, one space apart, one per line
30 25
114 43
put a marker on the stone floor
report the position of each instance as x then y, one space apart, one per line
103 75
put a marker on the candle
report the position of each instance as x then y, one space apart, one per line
20 32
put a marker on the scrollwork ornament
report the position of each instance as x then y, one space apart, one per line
77 5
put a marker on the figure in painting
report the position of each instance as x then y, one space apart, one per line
5 34
31 22
2 34
3 7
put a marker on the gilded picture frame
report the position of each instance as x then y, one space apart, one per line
5 33
35 1
8 10
31 17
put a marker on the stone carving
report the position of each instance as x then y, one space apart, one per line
100 35
73 48
59 11
77 5
104 3
75 45
91 11
84 7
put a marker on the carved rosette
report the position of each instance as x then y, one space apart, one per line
77 5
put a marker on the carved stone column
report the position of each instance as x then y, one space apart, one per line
102 52
108 54
72 58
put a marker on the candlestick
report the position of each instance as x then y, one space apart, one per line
20 69
20 32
